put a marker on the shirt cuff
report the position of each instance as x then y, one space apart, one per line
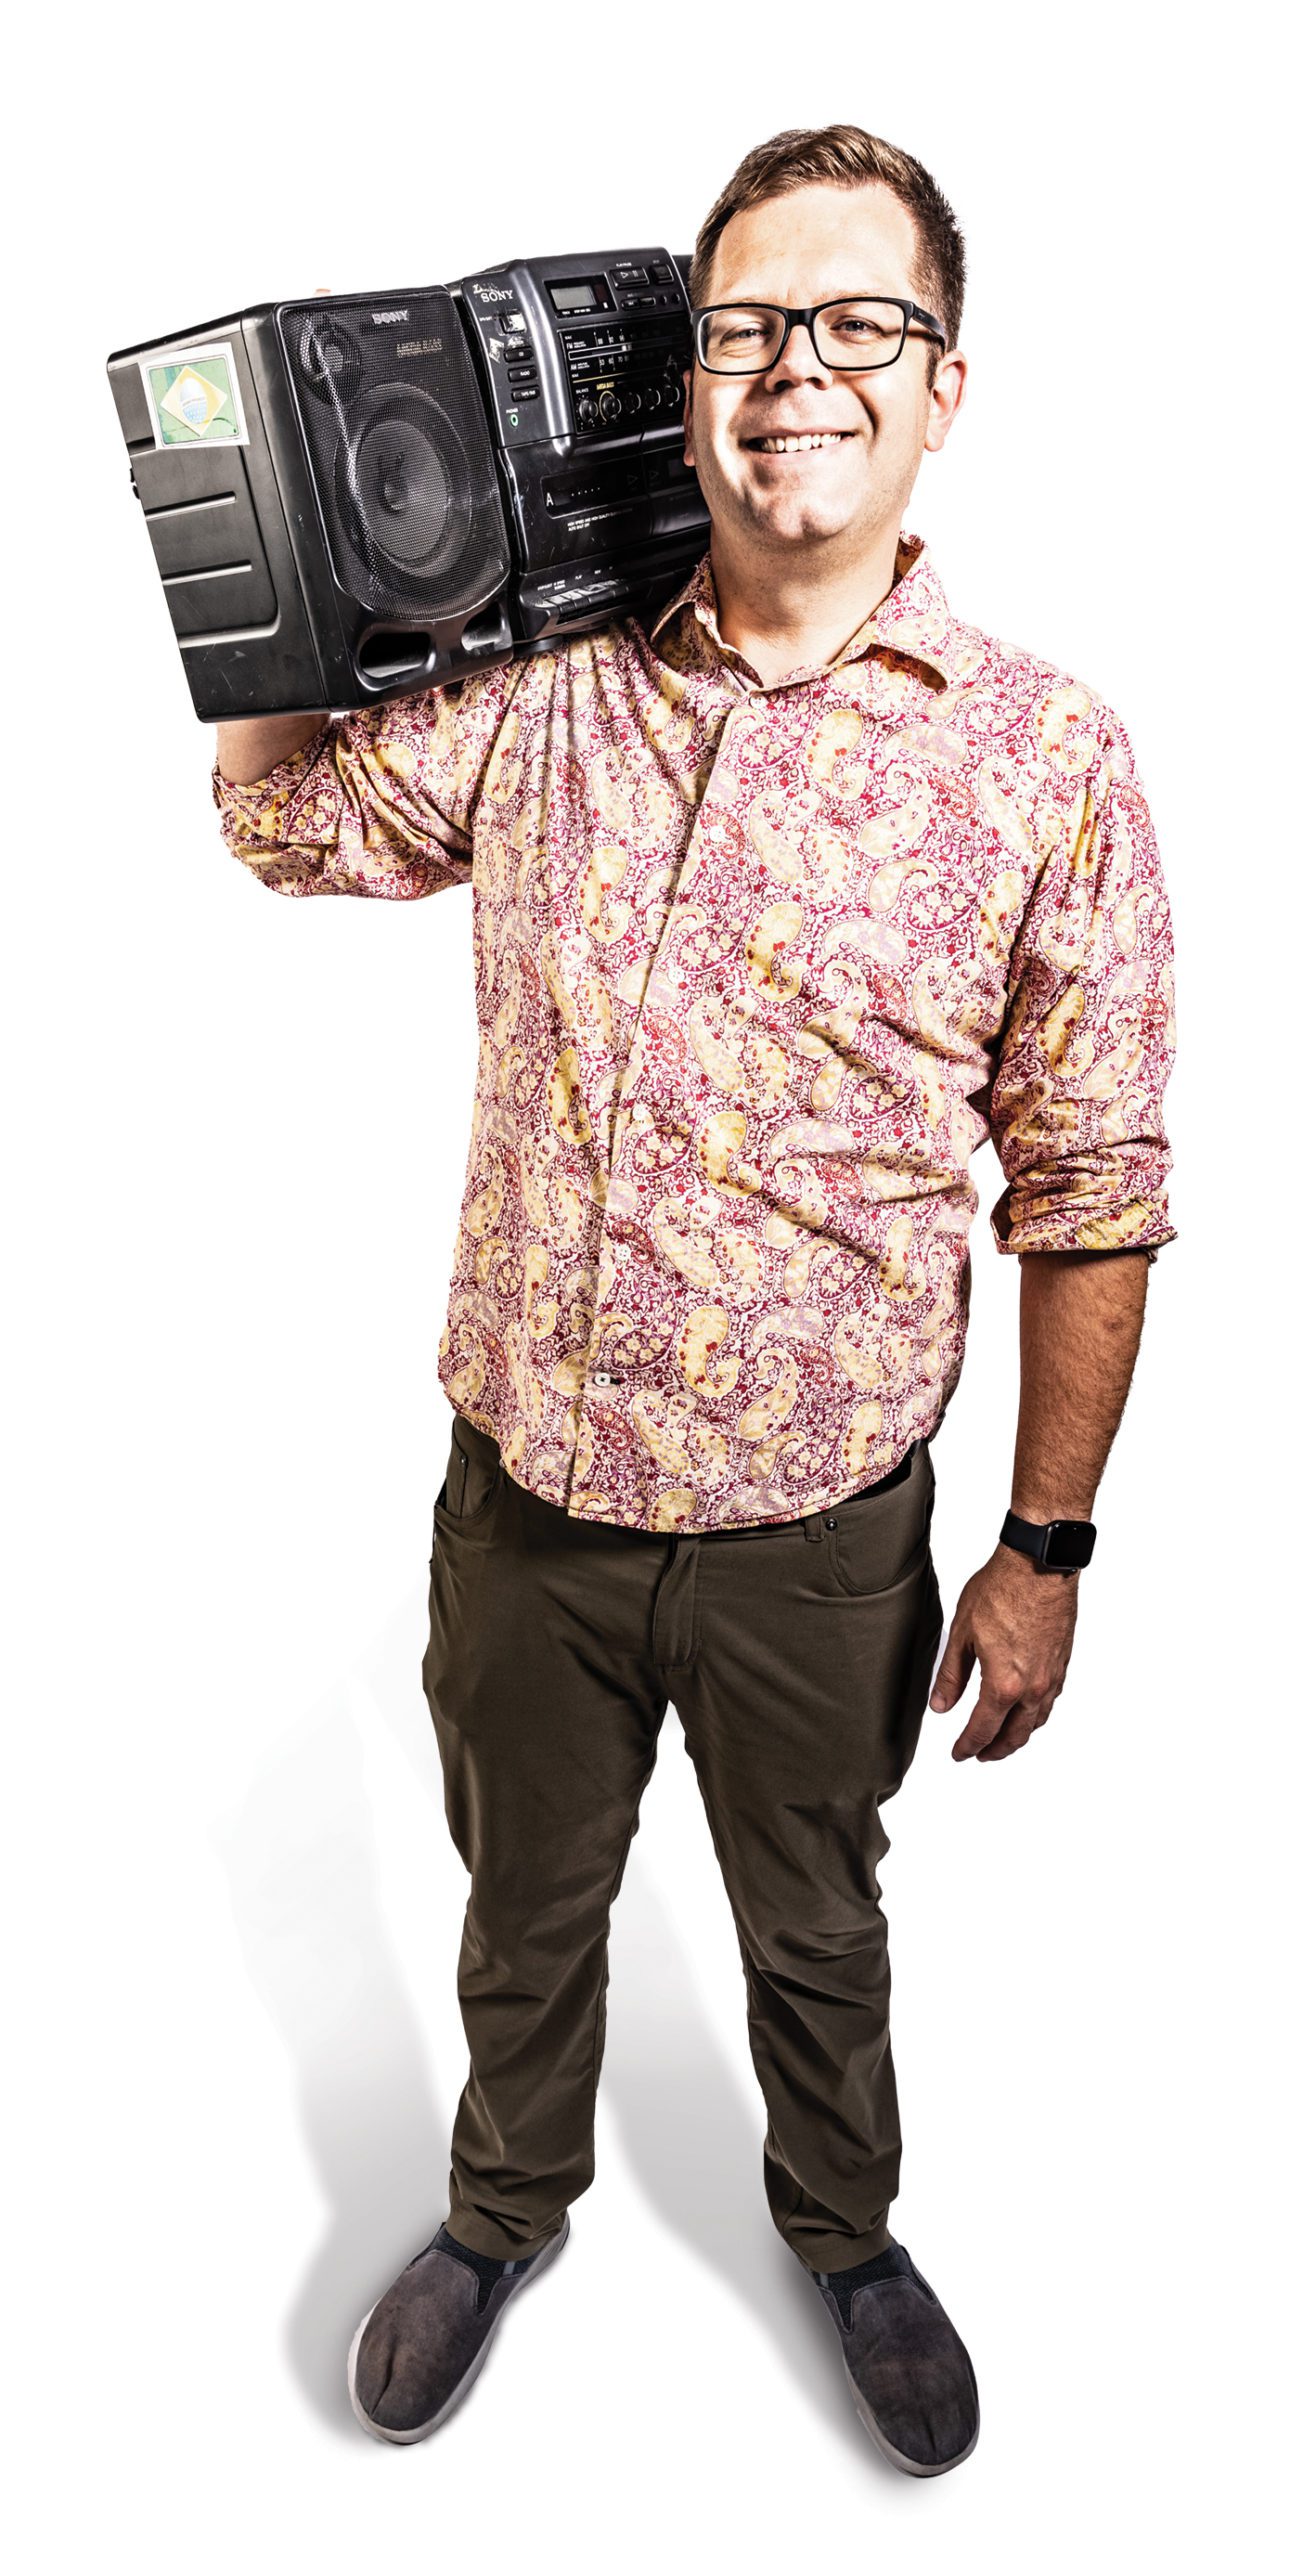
276 788
1129 1226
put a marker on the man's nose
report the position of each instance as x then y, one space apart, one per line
798 361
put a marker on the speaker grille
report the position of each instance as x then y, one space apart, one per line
400 452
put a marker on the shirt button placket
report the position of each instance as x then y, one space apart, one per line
702 834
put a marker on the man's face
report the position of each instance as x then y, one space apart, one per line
800 249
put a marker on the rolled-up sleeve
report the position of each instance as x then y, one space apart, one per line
1076 1104
382 802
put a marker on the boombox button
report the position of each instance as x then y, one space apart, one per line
524 391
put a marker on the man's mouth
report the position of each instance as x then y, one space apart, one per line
797 443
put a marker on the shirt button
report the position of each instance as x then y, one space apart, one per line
605 1378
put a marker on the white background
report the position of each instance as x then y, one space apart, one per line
237 1128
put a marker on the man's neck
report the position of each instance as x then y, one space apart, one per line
781 617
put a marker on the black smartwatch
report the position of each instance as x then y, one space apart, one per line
1062 1546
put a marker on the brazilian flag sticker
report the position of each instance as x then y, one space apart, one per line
194 397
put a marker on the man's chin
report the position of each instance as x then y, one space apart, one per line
792 523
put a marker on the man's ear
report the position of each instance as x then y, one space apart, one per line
687 418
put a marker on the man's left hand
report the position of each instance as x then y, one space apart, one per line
1017 1621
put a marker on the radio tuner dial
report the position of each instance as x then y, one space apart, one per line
608 407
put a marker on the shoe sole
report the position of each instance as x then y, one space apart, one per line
901 2461
412 2435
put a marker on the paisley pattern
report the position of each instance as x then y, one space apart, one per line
758 968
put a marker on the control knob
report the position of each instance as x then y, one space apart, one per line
608 407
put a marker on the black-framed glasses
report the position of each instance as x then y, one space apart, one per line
849 336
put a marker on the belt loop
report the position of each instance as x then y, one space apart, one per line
813 1525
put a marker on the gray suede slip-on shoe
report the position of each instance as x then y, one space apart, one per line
910 2373
416 2354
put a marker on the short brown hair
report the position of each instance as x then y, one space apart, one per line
843 155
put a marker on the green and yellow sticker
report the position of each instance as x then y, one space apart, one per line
194 397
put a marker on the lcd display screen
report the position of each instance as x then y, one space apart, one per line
580 293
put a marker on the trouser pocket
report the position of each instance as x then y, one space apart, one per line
474 1473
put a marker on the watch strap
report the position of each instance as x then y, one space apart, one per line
1062 1545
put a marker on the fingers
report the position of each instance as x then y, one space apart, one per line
985 1724
952 1678
1000 1725
1014 1736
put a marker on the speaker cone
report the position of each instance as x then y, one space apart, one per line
403 484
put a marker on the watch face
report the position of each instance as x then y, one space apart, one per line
1070 1542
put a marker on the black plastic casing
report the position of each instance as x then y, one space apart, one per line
606 517
263 623
580 522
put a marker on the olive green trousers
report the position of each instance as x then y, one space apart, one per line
799 1657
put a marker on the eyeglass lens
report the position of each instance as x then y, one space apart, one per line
848 336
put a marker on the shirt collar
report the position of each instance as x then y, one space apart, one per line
914 621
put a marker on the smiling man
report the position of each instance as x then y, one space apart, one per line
807 439
783 906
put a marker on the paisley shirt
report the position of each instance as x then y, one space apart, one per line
758 967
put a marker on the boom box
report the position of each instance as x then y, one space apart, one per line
367 494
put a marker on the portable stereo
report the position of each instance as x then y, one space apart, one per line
364 495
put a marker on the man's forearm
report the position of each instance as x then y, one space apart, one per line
1081 1316
247 750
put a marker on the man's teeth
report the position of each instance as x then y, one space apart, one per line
794 444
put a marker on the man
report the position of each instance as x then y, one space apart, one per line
782 907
